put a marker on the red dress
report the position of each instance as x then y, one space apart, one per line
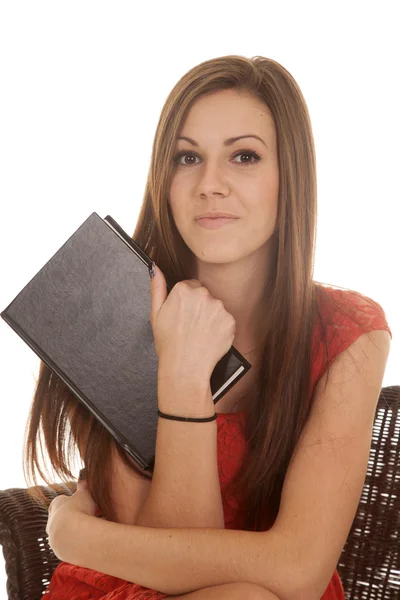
345 316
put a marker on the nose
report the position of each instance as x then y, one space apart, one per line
212 181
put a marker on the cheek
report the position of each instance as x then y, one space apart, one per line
180 202
262 196
176 182
175 193
262 206
172 201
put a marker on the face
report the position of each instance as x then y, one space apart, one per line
213 171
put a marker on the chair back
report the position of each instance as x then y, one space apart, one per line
369 565
29 560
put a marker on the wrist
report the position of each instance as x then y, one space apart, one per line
79 530
185 397
67 537
173 375
203 418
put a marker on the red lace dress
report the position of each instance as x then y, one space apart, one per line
343 315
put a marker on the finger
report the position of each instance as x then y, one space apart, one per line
57 500
159 292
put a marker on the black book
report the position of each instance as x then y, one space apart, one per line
86 314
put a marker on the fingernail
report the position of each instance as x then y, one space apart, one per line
82 474
152 270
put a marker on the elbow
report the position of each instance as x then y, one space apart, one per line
317 578
300 586
304 573
306 593
297 592
307 586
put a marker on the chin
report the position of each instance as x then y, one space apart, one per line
218 252
218 257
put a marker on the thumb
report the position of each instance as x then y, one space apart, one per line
81 484
158 288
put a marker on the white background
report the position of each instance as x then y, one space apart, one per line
82 85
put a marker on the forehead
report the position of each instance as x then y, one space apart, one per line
227 113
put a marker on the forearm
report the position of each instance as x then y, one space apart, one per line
191 559
185 489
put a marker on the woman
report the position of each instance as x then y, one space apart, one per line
259 502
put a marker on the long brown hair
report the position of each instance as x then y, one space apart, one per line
281 407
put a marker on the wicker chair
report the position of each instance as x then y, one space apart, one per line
369 565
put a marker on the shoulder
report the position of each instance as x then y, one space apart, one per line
341 317
343 307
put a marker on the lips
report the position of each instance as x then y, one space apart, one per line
215 219
215 223
216 216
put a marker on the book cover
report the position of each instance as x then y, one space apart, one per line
86 314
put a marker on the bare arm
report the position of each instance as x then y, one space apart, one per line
128 490
185 489
320 496
188 559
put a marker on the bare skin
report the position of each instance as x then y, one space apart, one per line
130 485
127 484
229 591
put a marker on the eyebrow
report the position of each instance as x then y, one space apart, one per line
227 142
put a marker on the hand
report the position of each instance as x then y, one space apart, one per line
192 330
64 511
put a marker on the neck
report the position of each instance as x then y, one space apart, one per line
243 290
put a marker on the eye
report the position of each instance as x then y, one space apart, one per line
191 155
248 154
251 158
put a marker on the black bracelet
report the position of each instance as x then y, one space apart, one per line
164 416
